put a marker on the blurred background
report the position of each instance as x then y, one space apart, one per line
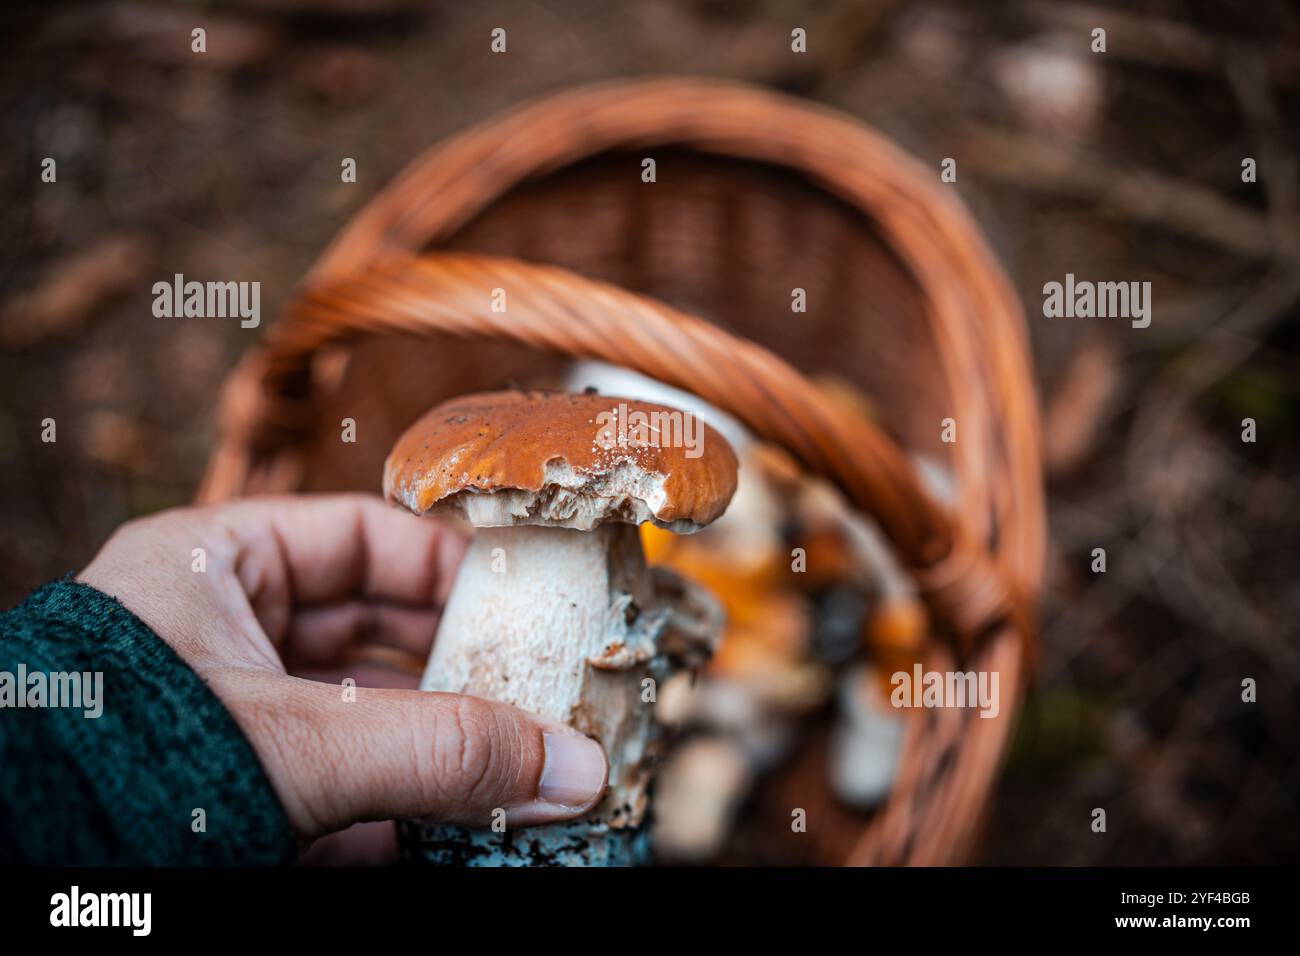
1123 166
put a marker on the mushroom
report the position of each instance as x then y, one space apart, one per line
698 796
866 742
554 608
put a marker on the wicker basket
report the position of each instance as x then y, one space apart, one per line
756 194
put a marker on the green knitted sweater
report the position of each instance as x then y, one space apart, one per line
162 776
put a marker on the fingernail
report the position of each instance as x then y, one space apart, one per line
574 775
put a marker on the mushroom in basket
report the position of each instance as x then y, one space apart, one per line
554 608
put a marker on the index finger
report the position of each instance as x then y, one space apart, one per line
331 548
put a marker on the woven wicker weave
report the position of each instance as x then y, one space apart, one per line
689 280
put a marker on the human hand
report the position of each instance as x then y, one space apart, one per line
300 593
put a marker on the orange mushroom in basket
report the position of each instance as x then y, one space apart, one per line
554 608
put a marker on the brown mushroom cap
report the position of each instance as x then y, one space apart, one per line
550 458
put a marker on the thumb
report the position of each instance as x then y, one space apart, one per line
336 757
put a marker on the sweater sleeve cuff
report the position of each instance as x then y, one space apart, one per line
114 752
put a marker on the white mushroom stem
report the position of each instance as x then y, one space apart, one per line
699 791
867 740
566 624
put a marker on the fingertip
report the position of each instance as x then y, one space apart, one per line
576 771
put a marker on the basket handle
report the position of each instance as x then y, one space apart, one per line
971 309
561 312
